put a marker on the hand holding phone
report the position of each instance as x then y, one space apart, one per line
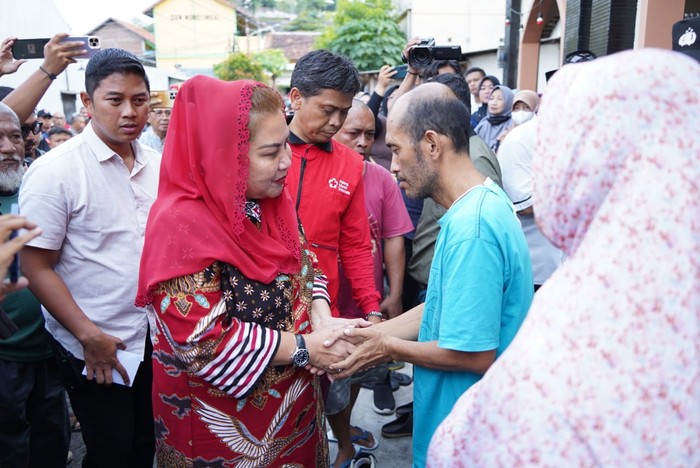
34 48
401 71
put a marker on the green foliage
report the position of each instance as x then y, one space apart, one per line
239 66
365 32
305 22
272 61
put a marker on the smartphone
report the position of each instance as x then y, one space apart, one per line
14 266
400 72
34 48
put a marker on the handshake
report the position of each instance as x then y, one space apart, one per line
341 347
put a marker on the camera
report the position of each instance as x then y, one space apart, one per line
426 51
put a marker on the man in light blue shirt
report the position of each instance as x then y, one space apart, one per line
480 284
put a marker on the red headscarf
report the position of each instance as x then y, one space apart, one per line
199 215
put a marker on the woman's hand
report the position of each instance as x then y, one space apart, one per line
372 347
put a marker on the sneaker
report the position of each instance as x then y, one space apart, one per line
400 427
383 398
403 409
399 379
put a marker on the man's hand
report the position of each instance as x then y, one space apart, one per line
372 348
8 64
386 75
412 71
326 329
58 55
100 352
391 307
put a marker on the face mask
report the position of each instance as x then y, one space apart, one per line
520 117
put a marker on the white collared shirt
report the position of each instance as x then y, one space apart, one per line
91 209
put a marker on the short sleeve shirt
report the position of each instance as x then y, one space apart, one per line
94 211
479 291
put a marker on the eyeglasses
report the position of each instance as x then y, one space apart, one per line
35 128
161 112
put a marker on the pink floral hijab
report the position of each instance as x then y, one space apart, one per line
606 368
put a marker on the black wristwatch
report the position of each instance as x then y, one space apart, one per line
300 357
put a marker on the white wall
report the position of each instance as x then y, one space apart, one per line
474 24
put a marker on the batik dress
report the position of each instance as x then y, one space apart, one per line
217 401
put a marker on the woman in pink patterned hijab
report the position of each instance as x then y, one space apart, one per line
606 368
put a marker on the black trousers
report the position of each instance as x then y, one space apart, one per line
116 421
34 428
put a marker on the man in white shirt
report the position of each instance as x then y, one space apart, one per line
515 158
159 120
91 197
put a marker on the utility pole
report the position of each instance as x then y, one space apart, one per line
511 43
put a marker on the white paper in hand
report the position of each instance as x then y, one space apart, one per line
130 361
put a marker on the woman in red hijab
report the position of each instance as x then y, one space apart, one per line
233 290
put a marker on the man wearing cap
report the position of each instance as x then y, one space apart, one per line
685 37
158 120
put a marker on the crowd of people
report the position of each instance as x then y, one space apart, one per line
212 285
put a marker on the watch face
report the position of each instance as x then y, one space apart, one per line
301 357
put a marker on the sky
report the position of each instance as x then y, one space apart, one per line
83 16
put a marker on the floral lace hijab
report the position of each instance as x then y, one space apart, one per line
199 216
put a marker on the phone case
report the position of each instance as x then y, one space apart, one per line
34 48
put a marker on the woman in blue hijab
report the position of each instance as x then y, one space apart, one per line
498 118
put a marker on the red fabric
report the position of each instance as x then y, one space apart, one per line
332 212
199 215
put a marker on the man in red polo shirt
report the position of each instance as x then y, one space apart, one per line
325 181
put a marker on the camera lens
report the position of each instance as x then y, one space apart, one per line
420 57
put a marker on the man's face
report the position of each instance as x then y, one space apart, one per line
58 138
358 130
159 118
78 124
11 151
59 120
45 124
31 139
119 108
473 80
414 173
318 118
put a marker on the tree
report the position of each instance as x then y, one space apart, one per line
366 33
239 66
272 61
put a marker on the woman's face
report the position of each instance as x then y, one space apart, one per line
521 106
496 103
485 90
269 155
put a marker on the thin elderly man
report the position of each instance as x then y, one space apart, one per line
91 196
388 221
480 285
33 411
